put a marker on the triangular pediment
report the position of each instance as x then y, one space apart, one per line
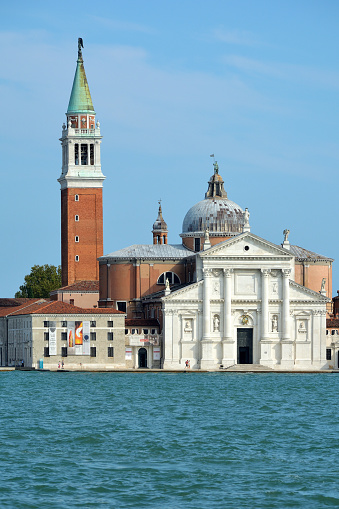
299 292
188 293
247 245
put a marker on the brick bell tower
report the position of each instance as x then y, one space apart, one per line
81 183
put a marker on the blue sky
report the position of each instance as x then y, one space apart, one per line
254 82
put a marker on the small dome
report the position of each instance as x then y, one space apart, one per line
219 215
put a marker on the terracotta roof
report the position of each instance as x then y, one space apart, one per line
79 286
332 323
62 308
130 322
9 310
9 301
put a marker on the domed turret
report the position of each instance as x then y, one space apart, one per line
159 228
216 213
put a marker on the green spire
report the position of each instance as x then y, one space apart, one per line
80 100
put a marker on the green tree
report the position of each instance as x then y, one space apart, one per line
42 280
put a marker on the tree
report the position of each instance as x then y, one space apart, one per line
42 280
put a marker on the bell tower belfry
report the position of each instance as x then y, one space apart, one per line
81 183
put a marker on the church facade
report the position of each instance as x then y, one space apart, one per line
245 308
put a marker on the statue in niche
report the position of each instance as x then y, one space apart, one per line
188 327
216 323
274 323
275 287
302 326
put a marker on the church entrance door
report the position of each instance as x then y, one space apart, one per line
245 346
142 357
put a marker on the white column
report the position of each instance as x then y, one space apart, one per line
97 152
264 303
286 304
167 338
227 303
70 153
207 273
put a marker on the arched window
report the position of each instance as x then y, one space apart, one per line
172 278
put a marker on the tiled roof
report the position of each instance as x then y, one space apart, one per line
130 322
9 310
150 251
5 302
304 254
332 323
61 308
79 286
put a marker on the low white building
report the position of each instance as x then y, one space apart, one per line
52 335
245 308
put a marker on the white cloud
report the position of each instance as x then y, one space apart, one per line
290 72
124 26
238 37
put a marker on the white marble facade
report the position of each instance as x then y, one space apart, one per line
245 308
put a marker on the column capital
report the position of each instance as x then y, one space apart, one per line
265 272
227 272
207 272
286 272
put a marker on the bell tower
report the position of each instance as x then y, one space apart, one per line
81 183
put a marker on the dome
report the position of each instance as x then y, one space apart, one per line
218 215
221 216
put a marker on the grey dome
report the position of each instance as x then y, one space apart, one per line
219 215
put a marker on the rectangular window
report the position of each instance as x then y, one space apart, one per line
328 354
110 336
110 323
93 336
64 323
145 331
46 323
110 351
77 218
197 244
76 154
93 351
46 351
153 331
46 336
76 238
76 258
333 332
64 336
91 152
64 351
84 154
76 197
71 301
93 323
122 306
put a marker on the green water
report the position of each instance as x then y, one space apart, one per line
160 440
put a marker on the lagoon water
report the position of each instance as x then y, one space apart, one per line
160 440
